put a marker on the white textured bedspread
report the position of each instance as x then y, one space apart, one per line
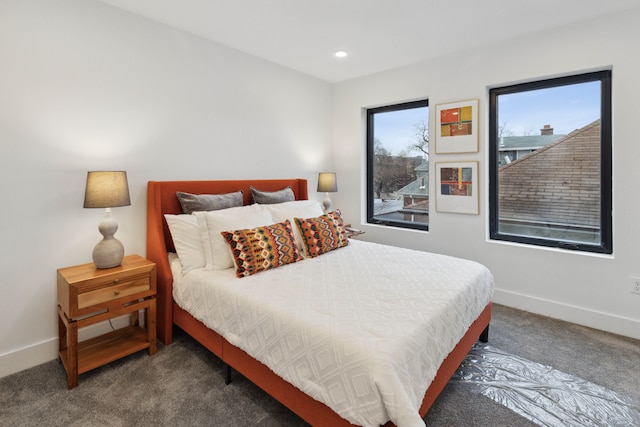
362 329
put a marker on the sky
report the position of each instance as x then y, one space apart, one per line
397 129
565 108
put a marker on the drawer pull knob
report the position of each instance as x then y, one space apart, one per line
116 293
116 280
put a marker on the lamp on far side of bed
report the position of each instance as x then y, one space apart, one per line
107 190
327 184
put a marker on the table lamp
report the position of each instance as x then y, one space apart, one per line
107 190
327 183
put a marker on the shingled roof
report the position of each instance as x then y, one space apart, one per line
559 183
420 186
532 142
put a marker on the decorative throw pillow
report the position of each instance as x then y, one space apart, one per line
187 241
262 248
270 197
209 202
322 234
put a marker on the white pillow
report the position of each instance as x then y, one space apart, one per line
296 209
185 233
212 223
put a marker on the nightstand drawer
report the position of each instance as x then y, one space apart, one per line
115 291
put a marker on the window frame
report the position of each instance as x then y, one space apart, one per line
606 157
370 112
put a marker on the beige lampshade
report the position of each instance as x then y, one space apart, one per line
106 189
327 182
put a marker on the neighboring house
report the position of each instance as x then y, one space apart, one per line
515 147
415 196
543 188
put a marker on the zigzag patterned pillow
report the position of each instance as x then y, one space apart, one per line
262 248
322 234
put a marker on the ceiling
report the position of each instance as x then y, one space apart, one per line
378 34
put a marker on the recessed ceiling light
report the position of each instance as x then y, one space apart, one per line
341 53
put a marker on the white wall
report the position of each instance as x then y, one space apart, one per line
586 289
84 86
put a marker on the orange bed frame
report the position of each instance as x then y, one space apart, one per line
161 199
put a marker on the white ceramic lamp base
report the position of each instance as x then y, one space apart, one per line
109 251
326 202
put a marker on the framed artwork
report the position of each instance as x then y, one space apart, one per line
457 187
457 127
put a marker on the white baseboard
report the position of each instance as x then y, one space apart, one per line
593 319
28 357
45 351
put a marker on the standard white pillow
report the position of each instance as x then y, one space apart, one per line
211 224
185 233
280 212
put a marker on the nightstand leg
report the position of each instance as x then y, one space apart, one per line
62 336
150 323
72 354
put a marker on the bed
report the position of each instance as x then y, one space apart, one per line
303 399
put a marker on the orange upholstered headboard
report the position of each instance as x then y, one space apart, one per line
162 199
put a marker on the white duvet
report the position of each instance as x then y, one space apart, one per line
362 329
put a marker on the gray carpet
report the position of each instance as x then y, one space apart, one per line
183 384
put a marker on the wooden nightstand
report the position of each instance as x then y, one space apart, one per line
87 295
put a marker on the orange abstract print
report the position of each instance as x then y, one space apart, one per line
456 121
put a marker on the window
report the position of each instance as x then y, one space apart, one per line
398 165
550 163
